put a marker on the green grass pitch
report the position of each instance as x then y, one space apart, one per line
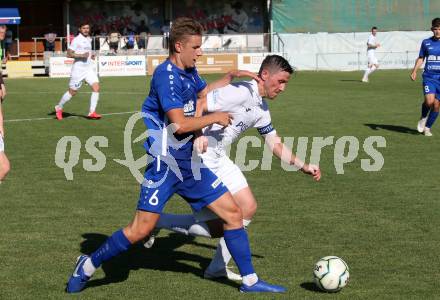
384 224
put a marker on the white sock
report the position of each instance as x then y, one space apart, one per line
222 257
367 71
246 223
176 223
250 279
89 268
66 97
93 101
372 69
200 229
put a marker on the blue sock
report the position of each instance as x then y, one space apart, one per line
114 245
425 110
238 245
431 119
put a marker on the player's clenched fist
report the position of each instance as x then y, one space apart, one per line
201 144
223 118
312 170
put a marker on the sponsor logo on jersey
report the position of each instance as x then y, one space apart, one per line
216 183
188 108
243 126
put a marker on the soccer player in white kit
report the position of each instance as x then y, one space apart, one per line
244 100
4 162
373 63
81 50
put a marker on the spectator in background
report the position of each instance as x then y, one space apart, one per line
49 39
8 42
130 40
239 20
113 40
165 30
143 32
138 15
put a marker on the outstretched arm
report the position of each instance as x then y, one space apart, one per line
227 79
286 155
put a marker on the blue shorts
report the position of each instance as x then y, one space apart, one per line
431 86
161 182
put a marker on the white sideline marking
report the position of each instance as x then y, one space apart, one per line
58 93
53 118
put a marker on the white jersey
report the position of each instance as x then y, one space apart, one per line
81 45
243 102
371 41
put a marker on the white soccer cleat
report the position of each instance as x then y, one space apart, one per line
427 131
364 79
149 240
421 124
224 273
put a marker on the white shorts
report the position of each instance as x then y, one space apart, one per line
78 76
229 173
2 144
372 60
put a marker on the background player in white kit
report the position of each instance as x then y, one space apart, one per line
373 63
4 162
81 50
244 101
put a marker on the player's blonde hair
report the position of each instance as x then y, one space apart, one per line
181 29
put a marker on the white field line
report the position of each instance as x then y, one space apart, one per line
53 118
60 93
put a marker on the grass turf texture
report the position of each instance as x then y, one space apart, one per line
383 224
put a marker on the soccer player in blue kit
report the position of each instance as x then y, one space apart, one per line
430 49
175 87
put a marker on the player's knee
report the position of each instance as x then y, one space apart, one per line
135 233
95 88
249 210
4 169
430 101
72 92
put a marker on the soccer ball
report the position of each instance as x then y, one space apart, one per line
331 274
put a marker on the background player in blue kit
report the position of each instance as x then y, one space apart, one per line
430 49
172 99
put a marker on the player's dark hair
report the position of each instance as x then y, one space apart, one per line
435 22
275 63
373 28
181 29
83 23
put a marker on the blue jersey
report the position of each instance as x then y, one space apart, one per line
171 87
430 49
